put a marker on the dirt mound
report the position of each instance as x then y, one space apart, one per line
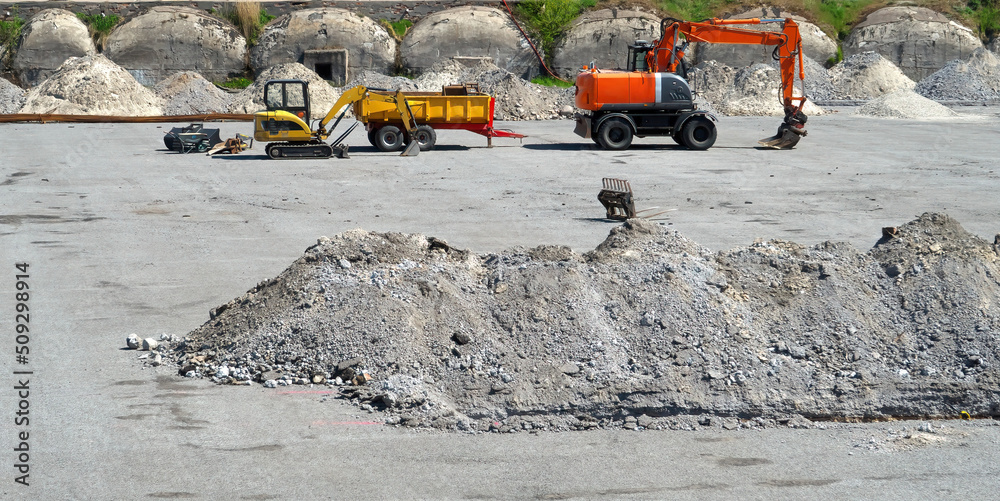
92 85
904 104
755 92
376 80
322 95
976 79
867 75
11 97
516 98
188 93
649 327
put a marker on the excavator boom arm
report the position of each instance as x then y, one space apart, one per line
360 92
669 49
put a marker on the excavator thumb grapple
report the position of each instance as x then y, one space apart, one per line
789 132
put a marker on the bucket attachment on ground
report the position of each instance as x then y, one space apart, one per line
616 197
233 145
193 138
412 149
789 132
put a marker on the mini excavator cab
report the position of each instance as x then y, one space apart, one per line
288 95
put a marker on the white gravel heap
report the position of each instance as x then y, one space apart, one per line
11 97
322 95
188 93
92 85
867 75
755 92
975 79
904 104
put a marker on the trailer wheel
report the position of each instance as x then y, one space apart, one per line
389 138
425 136
699 133
614 134
372 137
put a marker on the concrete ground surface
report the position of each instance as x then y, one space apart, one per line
122 236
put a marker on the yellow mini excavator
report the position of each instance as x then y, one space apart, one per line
285 124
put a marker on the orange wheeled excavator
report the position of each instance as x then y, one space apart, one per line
652 98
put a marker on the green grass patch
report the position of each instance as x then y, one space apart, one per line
99 26
548 20
694 10
10 31
551 82
986 13
235 83
398 28
839 15
249 18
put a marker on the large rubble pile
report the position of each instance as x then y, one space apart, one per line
188 93
904 104
11 97
649 329
322 95
976 79
756 91
92 85
865 76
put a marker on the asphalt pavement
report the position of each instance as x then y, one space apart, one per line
121 236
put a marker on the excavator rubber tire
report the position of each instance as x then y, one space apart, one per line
425 137
389 138
614 134
699 133
372 137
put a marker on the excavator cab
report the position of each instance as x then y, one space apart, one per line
288 95
637 55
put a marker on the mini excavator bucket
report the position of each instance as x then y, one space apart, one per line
789 132
616 197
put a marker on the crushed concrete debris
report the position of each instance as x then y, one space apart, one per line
904 104
975 79
92 85
188 93
648 330
867 75
11 97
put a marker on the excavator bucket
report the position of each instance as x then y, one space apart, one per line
790 131
785 139
412 149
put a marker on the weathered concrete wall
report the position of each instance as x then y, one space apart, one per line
167 39
468 32
47 40
918 40
285 40
603 37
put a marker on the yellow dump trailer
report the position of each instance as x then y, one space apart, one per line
455 107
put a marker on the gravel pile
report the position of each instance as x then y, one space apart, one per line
322 95
648 330
976 79
516 98
904 104
92 85
11 97
188 93
755 92
867 75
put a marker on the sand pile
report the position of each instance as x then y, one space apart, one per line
756 92
322 95
904 104
11 97
92 85
867 75
648 328
975 79
188 93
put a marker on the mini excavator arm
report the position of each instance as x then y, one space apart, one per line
361 92
668 52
